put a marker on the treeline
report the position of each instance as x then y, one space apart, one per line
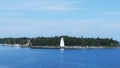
55 41
21 40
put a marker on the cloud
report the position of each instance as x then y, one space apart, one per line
11 14
58 8
111 13
39 5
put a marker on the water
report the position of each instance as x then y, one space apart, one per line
12 57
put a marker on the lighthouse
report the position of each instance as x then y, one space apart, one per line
62 44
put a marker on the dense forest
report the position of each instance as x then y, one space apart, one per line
54 41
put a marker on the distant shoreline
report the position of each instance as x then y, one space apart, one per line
68 47
58 47
55 42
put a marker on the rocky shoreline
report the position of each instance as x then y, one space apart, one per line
58 47
69 47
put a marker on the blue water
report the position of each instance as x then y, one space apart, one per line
12 57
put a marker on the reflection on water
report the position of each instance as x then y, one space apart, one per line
61 60
61 54
62 49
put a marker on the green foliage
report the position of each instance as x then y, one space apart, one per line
54 41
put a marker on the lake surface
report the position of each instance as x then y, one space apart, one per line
13 57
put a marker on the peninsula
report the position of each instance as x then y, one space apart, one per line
54 42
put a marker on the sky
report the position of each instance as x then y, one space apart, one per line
33 18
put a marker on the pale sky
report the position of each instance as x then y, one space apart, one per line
33 18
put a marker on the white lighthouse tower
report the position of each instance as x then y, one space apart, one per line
62 44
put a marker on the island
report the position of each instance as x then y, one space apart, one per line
54 42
